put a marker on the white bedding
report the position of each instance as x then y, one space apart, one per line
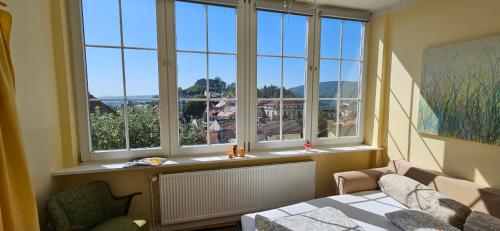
365 208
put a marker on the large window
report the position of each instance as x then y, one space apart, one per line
122 74
281 75
206 73
339 78
187 77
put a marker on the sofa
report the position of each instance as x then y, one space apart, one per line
360 198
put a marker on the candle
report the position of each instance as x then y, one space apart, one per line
242 152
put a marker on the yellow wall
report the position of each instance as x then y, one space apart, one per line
39 55
37 96
396 45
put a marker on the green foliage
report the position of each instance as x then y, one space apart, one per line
217 85
192 134
144 126
108 128
268 92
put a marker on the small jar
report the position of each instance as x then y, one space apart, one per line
242 152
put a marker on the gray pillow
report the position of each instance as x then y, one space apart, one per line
418 196
479 221
326 218
418 220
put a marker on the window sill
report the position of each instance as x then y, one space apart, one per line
175 161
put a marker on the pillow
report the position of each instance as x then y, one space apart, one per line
478 221
418 196
326 218
418 220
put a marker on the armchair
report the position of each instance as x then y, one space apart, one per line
91 206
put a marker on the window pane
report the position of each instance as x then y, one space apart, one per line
268 120
348 118
222 75
350 79
139 23
141 72
328 78
293 119
222 127
327 119
330 38
351 39
191 75
143 123
295 35
192 123
222 29
101 21
268 77
107 125
104 69
294 75
268 33
190 26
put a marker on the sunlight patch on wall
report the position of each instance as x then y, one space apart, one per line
429 152
401 83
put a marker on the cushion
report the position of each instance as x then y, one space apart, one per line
418 220
478 198
478 221
321 219
418 196
122 223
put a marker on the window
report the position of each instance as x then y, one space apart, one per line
339 78
158 77
121 74
206 73
281 75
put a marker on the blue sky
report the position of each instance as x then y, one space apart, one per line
101 26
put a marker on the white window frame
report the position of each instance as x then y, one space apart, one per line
246 99
81 90
359 137
296 9
176 149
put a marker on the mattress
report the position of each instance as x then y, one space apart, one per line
367 208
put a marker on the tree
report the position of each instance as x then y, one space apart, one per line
108 128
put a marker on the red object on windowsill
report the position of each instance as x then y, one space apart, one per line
308 145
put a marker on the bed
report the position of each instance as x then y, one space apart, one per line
366 208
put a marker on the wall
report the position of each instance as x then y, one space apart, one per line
44 99
398 39
37 95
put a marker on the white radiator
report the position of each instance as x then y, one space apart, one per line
192 196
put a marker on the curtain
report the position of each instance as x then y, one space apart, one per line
17 200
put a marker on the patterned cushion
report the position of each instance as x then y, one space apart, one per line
479 221
326 218
418 220
418 196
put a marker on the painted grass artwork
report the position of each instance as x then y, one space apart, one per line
460 91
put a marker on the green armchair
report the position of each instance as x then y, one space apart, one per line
91 207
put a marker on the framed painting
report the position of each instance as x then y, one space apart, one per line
460 91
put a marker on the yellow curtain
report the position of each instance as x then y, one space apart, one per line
17 200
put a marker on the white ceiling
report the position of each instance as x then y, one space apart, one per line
370 5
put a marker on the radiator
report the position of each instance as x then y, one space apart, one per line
192 196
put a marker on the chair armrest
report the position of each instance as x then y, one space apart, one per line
357 181
122 204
